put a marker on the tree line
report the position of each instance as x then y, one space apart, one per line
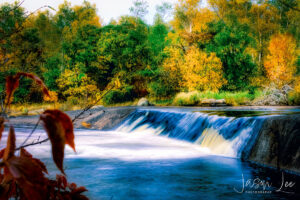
232 45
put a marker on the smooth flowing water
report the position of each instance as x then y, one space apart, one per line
169 155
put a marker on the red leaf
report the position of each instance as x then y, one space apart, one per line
32 191
56 135
24 153
1 127
25 168
67 125
7 189
12 83
10 145
28 174
2 153
72 186
59 128
37 80
61 181
79 190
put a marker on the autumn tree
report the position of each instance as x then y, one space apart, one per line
12 17
264 23
75 86
280 63
168 76
21 48
201 71
190 21
288 12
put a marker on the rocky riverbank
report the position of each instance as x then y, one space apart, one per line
278 143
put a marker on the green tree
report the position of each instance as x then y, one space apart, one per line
12 18
158 40
124 47
53 69
229 43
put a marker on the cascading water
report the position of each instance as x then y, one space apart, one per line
227 136
117 165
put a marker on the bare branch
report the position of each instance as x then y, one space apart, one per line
31 144
88 107
33 130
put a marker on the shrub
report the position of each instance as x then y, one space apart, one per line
161 89
294 98
294 95
231 98
119 95
187 99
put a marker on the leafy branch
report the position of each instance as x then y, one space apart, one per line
24 176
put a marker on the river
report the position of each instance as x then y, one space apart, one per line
169 155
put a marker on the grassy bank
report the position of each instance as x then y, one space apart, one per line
36 108
231 98
181 99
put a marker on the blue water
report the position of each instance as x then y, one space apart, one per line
168 156
208 177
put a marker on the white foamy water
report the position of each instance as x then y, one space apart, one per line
140 145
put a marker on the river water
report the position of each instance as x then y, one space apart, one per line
150 158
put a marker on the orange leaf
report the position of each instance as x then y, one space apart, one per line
56 135
67 125
10 145
61 181
24 153
8 189
79 190
29 177
2 153
72 186
1 126
86 125
12 83
26 168
37 80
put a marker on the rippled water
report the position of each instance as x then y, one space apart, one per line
118 165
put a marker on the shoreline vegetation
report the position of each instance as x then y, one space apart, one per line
192 99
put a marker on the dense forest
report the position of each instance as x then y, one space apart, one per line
230 46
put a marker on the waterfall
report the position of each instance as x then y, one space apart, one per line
220 135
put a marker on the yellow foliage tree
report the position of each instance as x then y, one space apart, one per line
190 21
264 22
85 15
171 66
194 70
52 97
201 71
75 85
280 64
